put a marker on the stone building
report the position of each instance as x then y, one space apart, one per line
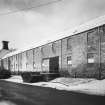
80 53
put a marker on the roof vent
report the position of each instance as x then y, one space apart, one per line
5 45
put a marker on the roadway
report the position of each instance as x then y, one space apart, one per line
23 94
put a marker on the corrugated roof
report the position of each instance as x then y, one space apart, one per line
87 26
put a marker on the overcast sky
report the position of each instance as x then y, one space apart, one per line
30 26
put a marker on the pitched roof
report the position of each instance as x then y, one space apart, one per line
87 26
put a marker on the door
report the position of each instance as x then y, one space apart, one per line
54 65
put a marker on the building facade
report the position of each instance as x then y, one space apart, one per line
81 54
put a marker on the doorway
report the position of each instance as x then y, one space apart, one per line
54 65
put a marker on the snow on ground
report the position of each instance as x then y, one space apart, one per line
88 86
17 79
93 87
5 102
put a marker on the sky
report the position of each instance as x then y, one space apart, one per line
45 21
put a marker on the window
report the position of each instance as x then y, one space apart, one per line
34 65
16 66
20 60
92 41
45 65
54 47
69 46
69 61
16 57
90 58
42 50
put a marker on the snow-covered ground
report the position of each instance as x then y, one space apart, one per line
88 86
17 79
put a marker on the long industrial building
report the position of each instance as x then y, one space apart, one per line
81 53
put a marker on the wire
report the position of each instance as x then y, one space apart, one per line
11 12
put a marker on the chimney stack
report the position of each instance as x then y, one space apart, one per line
5 45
